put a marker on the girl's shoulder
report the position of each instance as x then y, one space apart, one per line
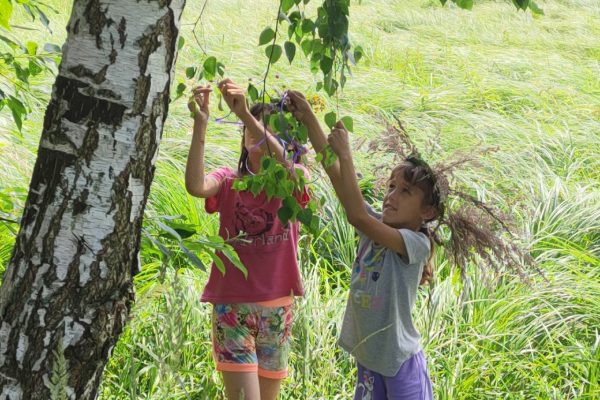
223 173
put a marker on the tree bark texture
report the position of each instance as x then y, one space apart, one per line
69 281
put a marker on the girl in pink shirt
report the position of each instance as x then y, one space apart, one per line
252 314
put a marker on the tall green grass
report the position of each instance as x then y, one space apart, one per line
490 77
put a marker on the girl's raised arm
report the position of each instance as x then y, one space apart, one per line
302 111
352 200
196 182
236 100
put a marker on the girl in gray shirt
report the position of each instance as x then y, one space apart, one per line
393 258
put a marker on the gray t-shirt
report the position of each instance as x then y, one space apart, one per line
378 329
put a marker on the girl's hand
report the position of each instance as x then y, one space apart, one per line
198 103
299 106
338 140
234 97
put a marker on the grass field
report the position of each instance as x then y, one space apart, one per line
464 80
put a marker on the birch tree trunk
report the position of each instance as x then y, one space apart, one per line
69 281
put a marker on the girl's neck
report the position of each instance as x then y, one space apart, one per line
253 163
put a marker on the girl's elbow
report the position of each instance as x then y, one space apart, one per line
194 190
358 221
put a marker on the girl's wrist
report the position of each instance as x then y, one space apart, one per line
345 156
245 116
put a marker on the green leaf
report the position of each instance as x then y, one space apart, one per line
180 43
167 229
348 123
32 48
180 89
266 36
331 86
17 117
466 4
535 8
291 30
285 214
317 46
252 92
165 252
273 52
266 163
521 4
295 17
44 19
308 26
306 46
184 230
358 53
302 134
18 110
233 256
6 9
240 184
220 68
192 257
290 50
218 262
190 72
305 216
331 119
210 67
330 157
326 64
286 5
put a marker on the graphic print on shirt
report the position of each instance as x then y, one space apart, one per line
254 221
369 269
259 226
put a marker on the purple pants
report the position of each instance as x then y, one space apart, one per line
410 383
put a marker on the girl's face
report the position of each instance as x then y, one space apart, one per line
403 204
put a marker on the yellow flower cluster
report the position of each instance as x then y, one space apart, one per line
317 102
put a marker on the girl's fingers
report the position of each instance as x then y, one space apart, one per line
198 89
224 82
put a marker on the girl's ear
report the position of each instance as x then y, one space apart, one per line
428 213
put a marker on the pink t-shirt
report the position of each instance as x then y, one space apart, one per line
268 251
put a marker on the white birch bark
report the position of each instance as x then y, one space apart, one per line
70 276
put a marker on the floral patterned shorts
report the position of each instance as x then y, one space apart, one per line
248 337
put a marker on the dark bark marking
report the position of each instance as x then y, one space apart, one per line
80 71
96 19
82 106
122 29
80 205
142 89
